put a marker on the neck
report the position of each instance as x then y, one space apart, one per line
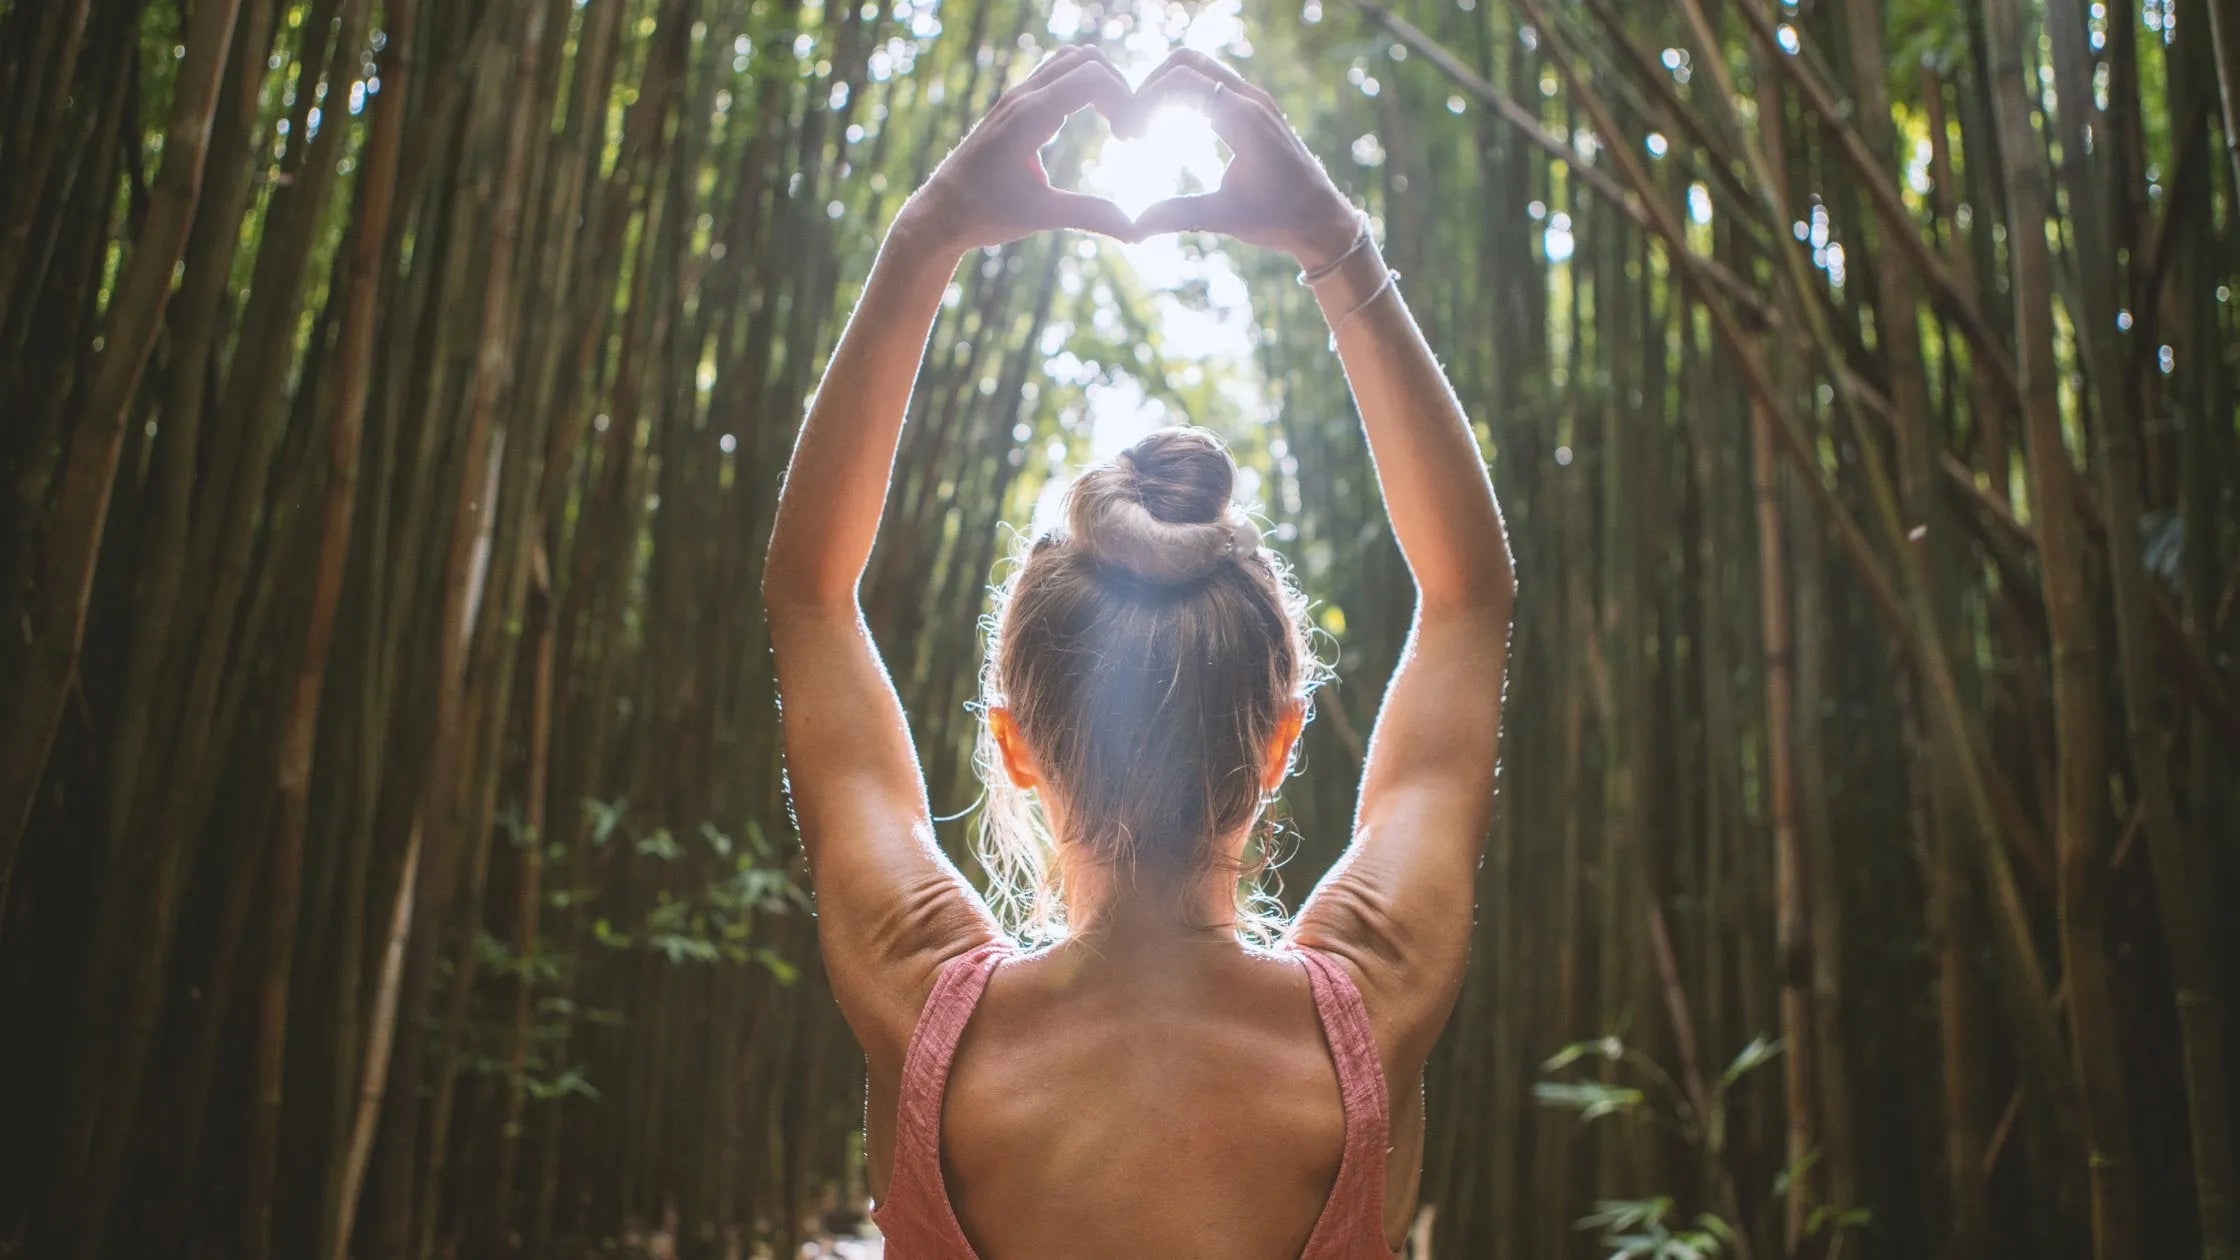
1113 913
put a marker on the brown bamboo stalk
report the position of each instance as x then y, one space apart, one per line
1792 884
1792 887
2013 939
528 902
472 515
2080 819
1700 1097
380 1036
2224 36
33 140
196 323
2181 891
2202 391
138 912
369 259
54 613
1881 185
222 549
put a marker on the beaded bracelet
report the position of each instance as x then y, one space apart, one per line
1321 273
1391 279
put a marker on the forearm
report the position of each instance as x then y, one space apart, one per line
836 485
1444 514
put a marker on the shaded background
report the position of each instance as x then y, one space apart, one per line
393 854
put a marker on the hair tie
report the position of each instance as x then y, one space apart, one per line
1244 540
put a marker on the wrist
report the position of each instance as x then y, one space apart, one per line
920 233
1354 280
1337 232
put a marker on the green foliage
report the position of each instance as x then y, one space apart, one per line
1651 1228
1645 1229
1591 1099
711 921
1757 1054
1923 33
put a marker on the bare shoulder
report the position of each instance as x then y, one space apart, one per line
1406 958
882 990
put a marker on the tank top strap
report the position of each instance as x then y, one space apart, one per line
1352 1222
957 988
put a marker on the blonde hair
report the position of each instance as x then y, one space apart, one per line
1148 650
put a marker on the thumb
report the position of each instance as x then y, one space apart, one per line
1193 212
1085 213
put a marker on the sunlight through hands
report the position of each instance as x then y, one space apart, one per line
1176 153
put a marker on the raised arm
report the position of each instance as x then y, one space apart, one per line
1398 905
890 906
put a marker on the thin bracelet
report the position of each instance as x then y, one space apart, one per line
1391 279
1360 238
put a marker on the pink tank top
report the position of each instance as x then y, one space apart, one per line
919 1222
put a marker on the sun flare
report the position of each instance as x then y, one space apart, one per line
1177 153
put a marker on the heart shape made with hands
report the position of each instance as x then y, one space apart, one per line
1169 152
993 188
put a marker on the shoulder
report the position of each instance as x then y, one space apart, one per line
885 1002
1404 983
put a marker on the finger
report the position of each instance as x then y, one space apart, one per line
1121 115
1228 74
1089 81
1084 213
1052 66
1175 83
1193 212
1219 71
1084 54
1234 116
1049 69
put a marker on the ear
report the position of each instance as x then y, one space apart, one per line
1016 762
1280 742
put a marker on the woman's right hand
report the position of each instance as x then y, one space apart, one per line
992 188
1274 192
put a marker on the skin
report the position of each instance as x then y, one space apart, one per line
1152 1085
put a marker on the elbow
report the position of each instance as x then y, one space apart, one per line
777 570
1505 567
789 605
791 573
1472 571
1488 594
1503 582
781 591
792 583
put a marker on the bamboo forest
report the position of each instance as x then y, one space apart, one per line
395 854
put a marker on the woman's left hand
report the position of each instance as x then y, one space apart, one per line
1274 192
992 188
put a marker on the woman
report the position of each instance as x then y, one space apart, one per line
1153 1084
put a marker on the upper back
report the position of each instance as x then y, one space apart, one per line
1188 1108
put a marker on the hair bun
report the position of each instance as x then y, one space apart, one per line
1160 510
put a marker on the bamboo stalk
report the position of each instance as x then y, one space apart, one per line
2178 882
53 616
369 260
2080 822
